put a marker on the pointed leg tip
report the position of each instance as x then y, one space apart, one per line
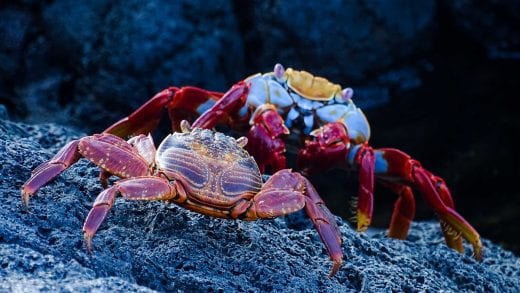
25 199
87 236
363 221
335 267
477 251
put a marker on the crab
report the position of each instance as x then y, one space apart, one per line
331 132
198 169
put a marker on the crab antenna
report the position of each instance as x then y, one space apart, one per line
242 141
279 71
185 126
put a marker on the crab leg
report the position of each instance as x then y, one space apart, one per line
286 192
395 166
66 157
180 103
404 210
229 104
109 152
366 161
326 225
139 188
144 119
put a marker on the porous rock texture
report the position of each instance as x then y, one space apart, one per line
152 246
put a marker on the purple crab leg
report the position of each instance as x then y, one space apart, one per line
139 188
66 157
286 192
111 153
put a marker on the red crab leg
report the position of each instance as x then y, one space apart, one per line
114 155
404 210
394 165
366 161
180 103
286 192
230 103
445 195
326 225
144 119
139 188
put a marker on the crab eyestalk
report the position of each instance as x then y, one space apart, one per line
185 126
242 141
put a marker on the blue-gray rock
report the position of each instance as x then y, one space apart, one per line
14 28
346 41
111 56
154 246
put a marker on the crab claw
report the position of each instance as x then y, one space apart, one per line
328 149
265 138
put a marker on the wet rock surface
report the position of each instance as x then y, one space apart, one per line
153 246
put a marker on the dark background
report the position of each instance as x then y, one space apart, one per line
437 79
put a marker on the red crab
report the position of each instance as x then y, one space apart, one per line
333 133
198 169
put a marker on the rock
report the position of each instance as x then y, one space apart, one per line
14 28
146 246
25 270
103 59
349 42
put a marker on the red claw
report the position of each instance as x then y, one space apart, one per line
265 139
328 149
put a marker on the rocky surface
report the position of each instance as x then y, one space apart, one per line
151 246
96 60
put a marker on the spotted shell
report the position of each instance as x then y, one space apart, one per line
213 168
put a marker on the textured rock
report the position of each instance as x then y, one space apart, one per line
99 59
347 41
154 246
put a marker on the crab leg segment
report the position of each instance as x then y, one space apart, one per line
395 166
325 223
66 157
142 145
230 103
139 188
404 210
144 119
365 161
180 103
286 192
